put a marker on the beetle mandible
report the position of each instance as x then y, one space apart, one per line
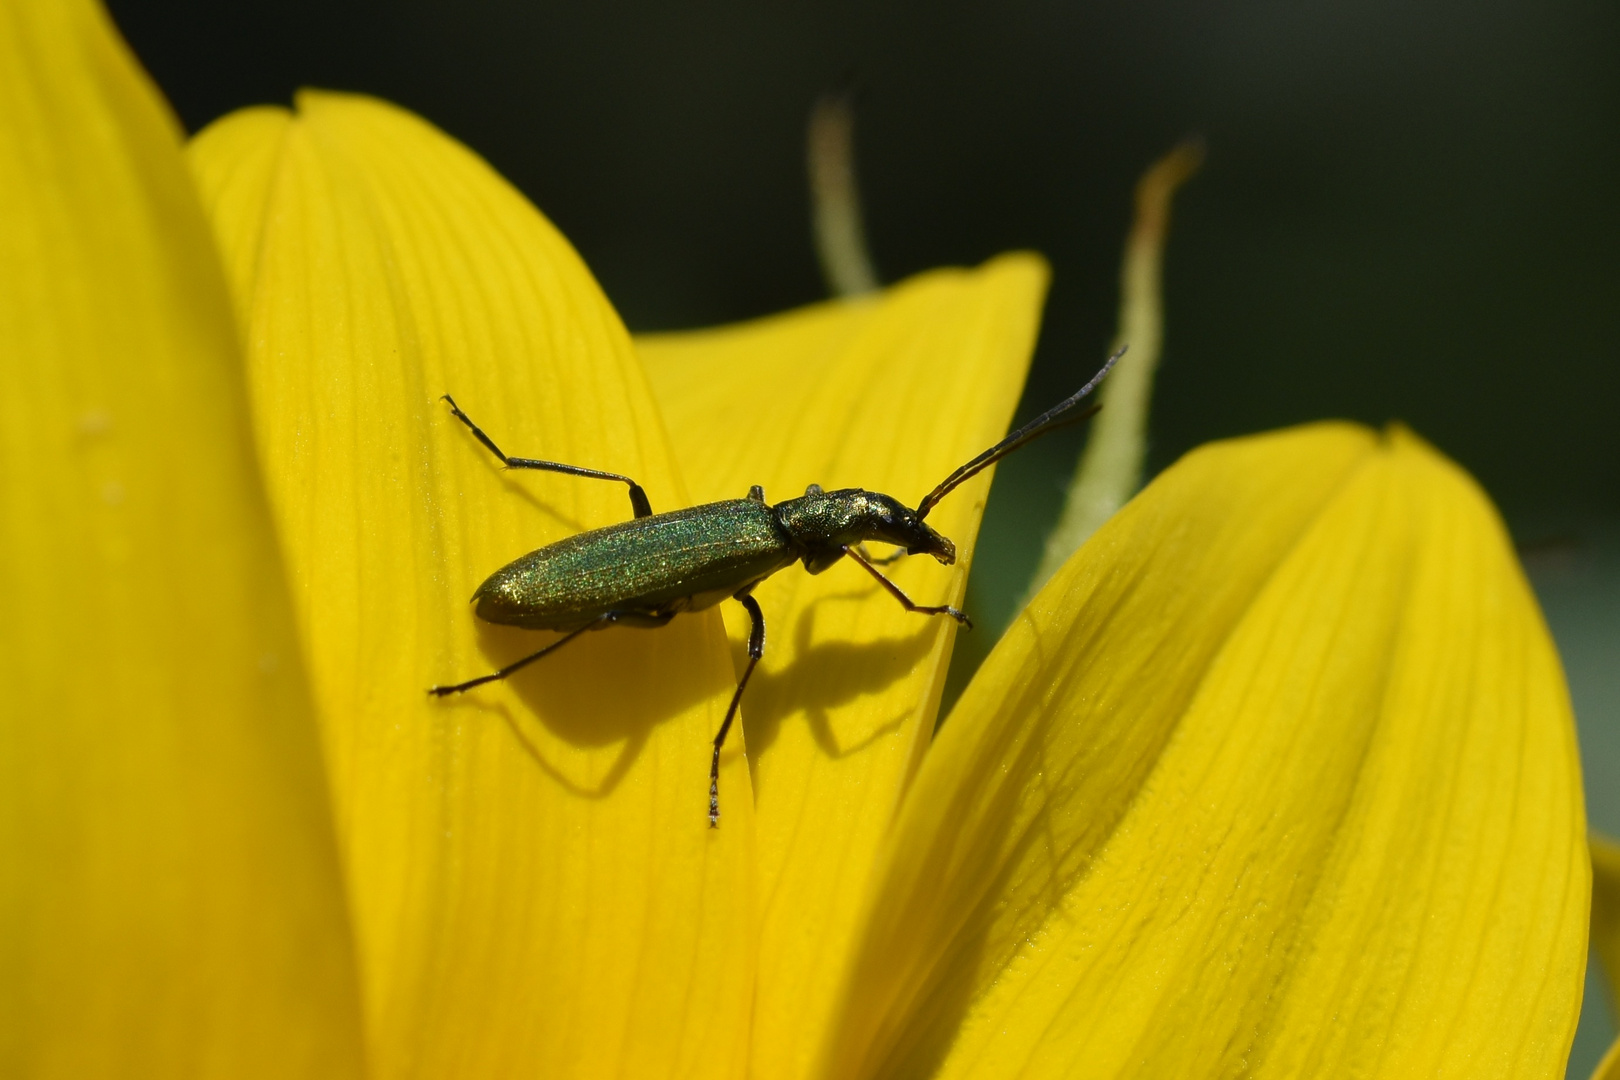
645 571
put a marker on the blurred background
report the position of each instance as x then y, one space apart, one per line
1408 211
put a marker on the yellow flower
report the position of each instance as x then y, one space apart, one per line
1276 775
1606 932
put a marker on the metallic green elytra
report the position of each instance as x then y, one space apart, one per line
645 571
688 560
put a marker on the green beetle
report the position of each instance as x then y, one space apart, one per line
645 571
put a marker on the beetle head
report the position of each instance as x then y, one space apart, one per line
827 521
895 523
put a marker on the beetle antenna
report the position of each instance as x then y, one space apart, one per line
1050 420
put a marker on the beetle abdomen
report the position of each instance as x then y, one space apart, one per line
665 563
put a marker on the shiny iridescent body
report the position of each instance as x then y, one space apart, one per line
645 571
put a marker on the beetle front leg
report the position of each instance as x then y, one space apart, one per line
905 601
756 649
638 498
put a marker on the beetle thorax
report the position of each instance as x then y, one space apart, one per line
823 523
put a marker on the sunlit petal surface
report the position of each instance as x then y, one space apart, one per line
170 902
888 393
535 886
1276 778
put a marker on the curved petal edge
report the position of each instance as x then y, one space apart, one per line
1277 774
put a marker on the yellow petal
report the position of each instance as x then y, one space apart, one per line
1277 776
535 886
1609 1067
888 393
170 901
1606 910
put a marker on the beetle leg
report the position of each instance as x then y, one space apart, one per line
444 691
638 497
894 556
756 649
905 601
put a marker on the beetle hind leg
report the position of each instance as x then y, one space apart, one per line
495 676
756 649
612 618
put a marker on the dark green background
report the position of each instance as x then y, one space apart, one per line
1408 210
